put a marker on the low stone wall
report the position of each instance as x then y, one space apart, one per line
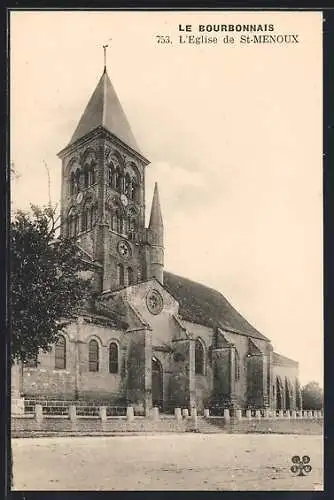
303 425
27 427
39 424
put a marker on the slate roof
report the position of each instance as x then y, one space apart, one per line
104 109
204 305
278 359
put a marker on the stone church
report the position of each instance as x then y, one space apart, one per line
151 338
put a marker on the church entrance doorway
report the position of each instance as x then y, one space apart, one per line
157 383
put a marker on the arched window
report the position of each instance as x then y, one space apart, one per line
92 172
92 217
93 356
127 185
130 276
113 358
236 365
132 225
72 223
120 274
199 357
110 174
114 221
157 383
118 180
109 217
118 227
134 190
86 176
60 353
77 181
72 183
125 225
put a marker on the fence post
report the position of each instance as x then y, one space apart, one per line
72 413
178 414
294 414
206 412
155 413
226 415
103 413
287 414
38 412
130 413
238 414
249 414
258 414
185 413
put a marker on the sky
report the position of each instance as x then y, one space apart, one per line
234 136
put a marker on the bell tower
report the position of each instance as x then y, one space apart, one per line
103 191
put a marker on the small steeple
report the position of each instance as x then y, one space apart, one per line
156 221
156 231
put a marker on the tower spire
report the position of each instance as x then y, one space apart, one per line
156 223
156 231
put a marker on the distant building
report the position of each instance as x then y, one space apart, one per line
153 338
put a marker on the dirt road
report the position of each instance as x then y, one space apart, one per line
167 462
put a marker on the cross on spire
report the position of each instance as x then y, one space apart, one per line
105 56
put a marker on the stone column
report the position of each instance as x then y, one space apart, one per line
191 374
221 362
270 378
265 381
148 372
233 398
